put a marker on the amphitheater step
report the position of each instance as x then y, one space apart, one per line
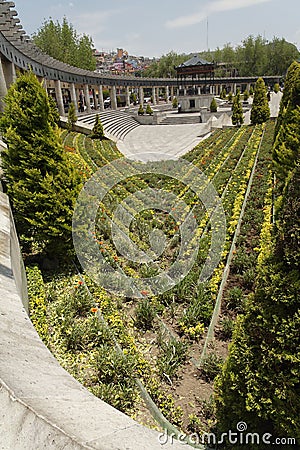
116 123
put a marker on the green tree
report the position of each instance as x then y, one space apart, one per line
237 117
97 132
62 42
175 102
287 140
213 105
276 88
260 111
260 380
149 110
141 110
246 95
40 181
223 94
72 118
165 67
230 96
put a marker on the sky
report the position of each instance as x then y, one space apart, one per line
156 27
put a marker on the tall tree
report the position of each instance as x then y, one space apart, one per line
287 140
237 117
72 118
40 182
260 111
62 42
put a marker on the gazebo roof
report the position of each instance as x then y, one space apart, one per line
195 61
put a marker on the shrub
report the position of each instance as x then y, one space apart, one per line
97 132
172 355
213 105
276 88
211 366
175 102
149 110
145 314
141 110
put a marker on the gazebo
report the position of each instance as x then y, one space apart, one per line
196 68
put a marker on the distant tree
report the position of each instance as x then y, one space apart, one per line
175 102
62 42
141 110
213 105
72 118
97 132
276 88
246 95
149 110
41 183
230 96
251 90
223 94
260 111
165 67
237 117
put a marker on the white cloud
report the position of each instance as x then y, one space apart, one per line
94 23
209 9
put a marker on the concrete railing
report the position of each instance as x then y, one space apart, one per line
41 405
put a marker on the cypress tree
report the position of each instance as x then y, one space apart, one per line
287 137
237 117
97 132
213 105
40 182
72 118
260 111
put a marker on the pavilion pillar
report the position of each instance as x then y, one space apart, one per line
248 87
59 97
154 96
172 92
113 97
199 90
184 91
3 87
167 94
100 97
87 98
73 96
127 96
141 95
95 98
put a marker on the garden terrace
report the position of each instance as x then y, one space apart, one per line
163 336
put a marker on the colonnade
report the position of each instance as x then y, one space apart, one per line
87 97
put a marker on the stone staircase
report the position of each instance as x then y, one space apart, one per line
115 123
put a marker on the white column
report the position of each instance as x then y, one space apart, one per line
172 92
167 94
154 96
141 95
87 98
59 97
3 87
95 98
113 97
73 96
100 97
127 96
